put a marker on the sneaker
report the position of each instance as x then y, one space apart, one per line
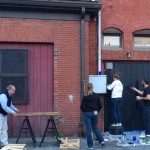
102 144
113 124
119 124
91 148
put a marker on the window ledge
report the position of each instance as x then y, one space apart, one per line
141 48
112 48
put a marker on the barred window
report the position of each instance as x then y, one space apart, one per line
141 39
14 70
112 39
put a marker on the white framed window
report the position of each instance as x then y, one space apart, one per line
141 39
112 39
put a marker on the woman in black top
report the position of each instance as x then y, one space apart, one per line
90 106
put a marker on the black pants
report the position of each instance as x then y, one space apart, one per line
147 119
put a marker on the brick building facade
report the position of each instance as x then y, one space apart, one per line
63 34
52 35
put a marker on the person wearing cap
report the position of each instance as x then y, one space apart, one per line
6 107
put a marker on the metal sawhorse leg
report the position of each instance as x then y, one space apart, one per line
28 127
51 120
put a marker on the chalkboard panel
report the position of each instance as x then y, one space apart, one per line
99 83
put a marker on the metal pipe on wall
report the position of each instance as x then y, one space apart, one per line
82 36
99 44
82 56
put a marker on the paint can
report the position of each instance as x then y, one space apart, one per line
142 140
148 139
134 139
123 137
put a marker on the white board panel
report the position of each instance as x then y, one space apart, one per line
99 83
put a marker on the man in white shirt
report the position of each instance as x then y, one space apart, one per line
6 107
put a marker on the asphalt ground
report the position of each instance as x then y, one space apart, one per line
50 143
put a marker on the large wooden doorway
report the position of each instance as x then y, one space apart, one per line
41 85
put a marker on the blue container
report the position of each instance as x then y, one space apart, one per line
134 139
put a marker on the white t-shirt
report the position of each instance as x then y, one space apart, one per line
117 89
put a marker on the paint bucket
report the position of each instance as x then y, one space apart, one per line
148 139
142 140
134 139
123 137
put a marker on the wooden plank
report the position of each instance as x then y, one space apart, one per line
66 146
16 144
75 143
17 147
14 147
39 114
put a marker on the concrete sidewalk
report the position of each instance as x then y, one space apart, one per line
51 144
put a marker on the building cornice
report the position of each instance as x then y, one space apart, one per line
60 6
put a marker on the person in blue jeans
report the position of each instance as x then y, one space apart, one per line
90 106
116 97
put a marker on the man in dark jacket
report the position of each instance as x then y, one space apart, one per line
6 107
90 106
145 96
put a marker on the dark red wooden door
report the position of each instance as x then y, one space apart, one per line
40 86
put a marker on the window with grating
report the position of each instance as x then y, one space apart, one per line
14 69
112 39
141 39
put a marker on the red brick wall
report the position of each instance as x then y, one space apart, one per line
66 38
93 47
128 16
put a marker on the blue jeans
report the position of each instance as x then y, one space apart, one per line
116 110
91 121
147 119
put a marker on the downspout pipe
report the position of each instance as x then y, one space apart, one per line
99 45
82 57
82 38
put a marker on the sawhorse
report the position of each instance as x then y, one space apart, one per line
27 129
54 129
